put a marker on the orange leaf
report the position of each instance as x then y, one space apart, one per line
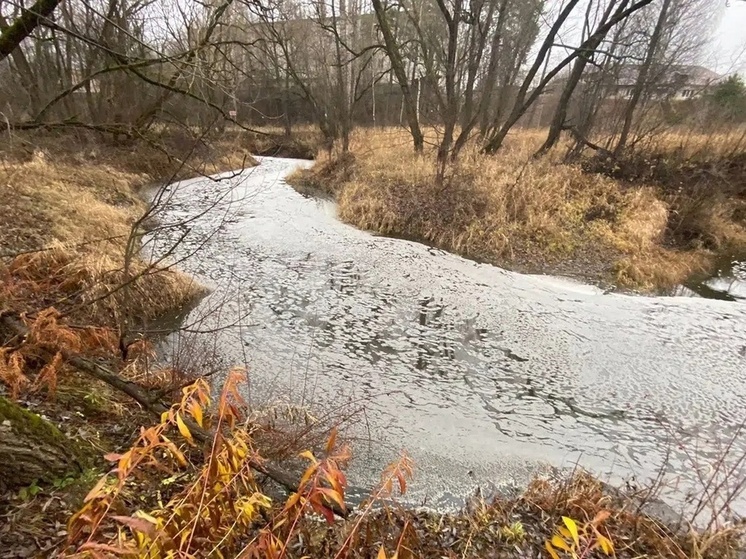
332 441
175 451
601 517
381 553
137 524
550 549
333 496
292 501
307 475
402 484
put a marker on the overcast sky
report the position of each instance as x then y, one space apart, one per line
726 53
729 44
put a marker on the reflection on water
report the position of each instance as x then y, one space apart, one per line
727 284
480 373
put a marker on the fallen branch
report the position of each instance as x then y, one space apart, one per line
156 407
578 137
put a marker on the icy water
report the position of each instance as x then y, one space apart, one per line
481 374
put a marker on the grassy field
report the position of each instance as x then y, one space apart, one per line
627 227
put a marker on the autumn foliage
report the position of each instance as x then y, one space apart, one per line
220 506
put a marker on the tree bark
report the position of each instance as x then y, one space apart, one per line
23 26
32 449
397 65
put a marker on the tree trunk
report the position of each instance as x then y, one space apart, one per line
642 78
30 18
495 142
560 114
32 449
397 65
522 104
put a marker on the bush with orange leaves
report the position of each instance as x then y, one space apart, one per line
221 509
36 360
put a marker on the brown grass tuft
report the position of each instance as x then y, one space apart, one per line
537 215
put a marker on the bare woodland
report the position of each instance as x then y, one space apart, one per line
458 78
473 69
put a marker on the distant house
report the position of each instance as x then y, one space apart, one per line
676 82
670 83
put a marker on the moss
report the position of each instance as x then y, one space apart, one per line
34 449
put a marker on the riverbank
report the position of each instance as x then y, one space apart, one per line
642 228
75 291
164 468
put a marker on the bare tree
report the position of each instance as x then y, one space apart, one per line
593 42
524 100
642 78
397 66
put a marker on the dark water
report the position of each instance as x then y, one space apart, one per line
483 375
727 284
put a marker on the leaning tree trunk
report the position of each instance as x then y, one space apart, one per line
642 78
32 449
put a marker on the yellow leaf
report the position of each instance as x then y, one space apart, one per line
308 455
146 516
606 546
550 549
565 533
307 475
95 492
560 543
183 428
382 553
196 410
570 523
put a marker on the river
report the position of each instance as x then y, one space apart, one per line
483 375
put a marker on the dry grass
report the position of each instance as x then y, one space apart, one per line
303 143
519 526
534 215
70 203
691 143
